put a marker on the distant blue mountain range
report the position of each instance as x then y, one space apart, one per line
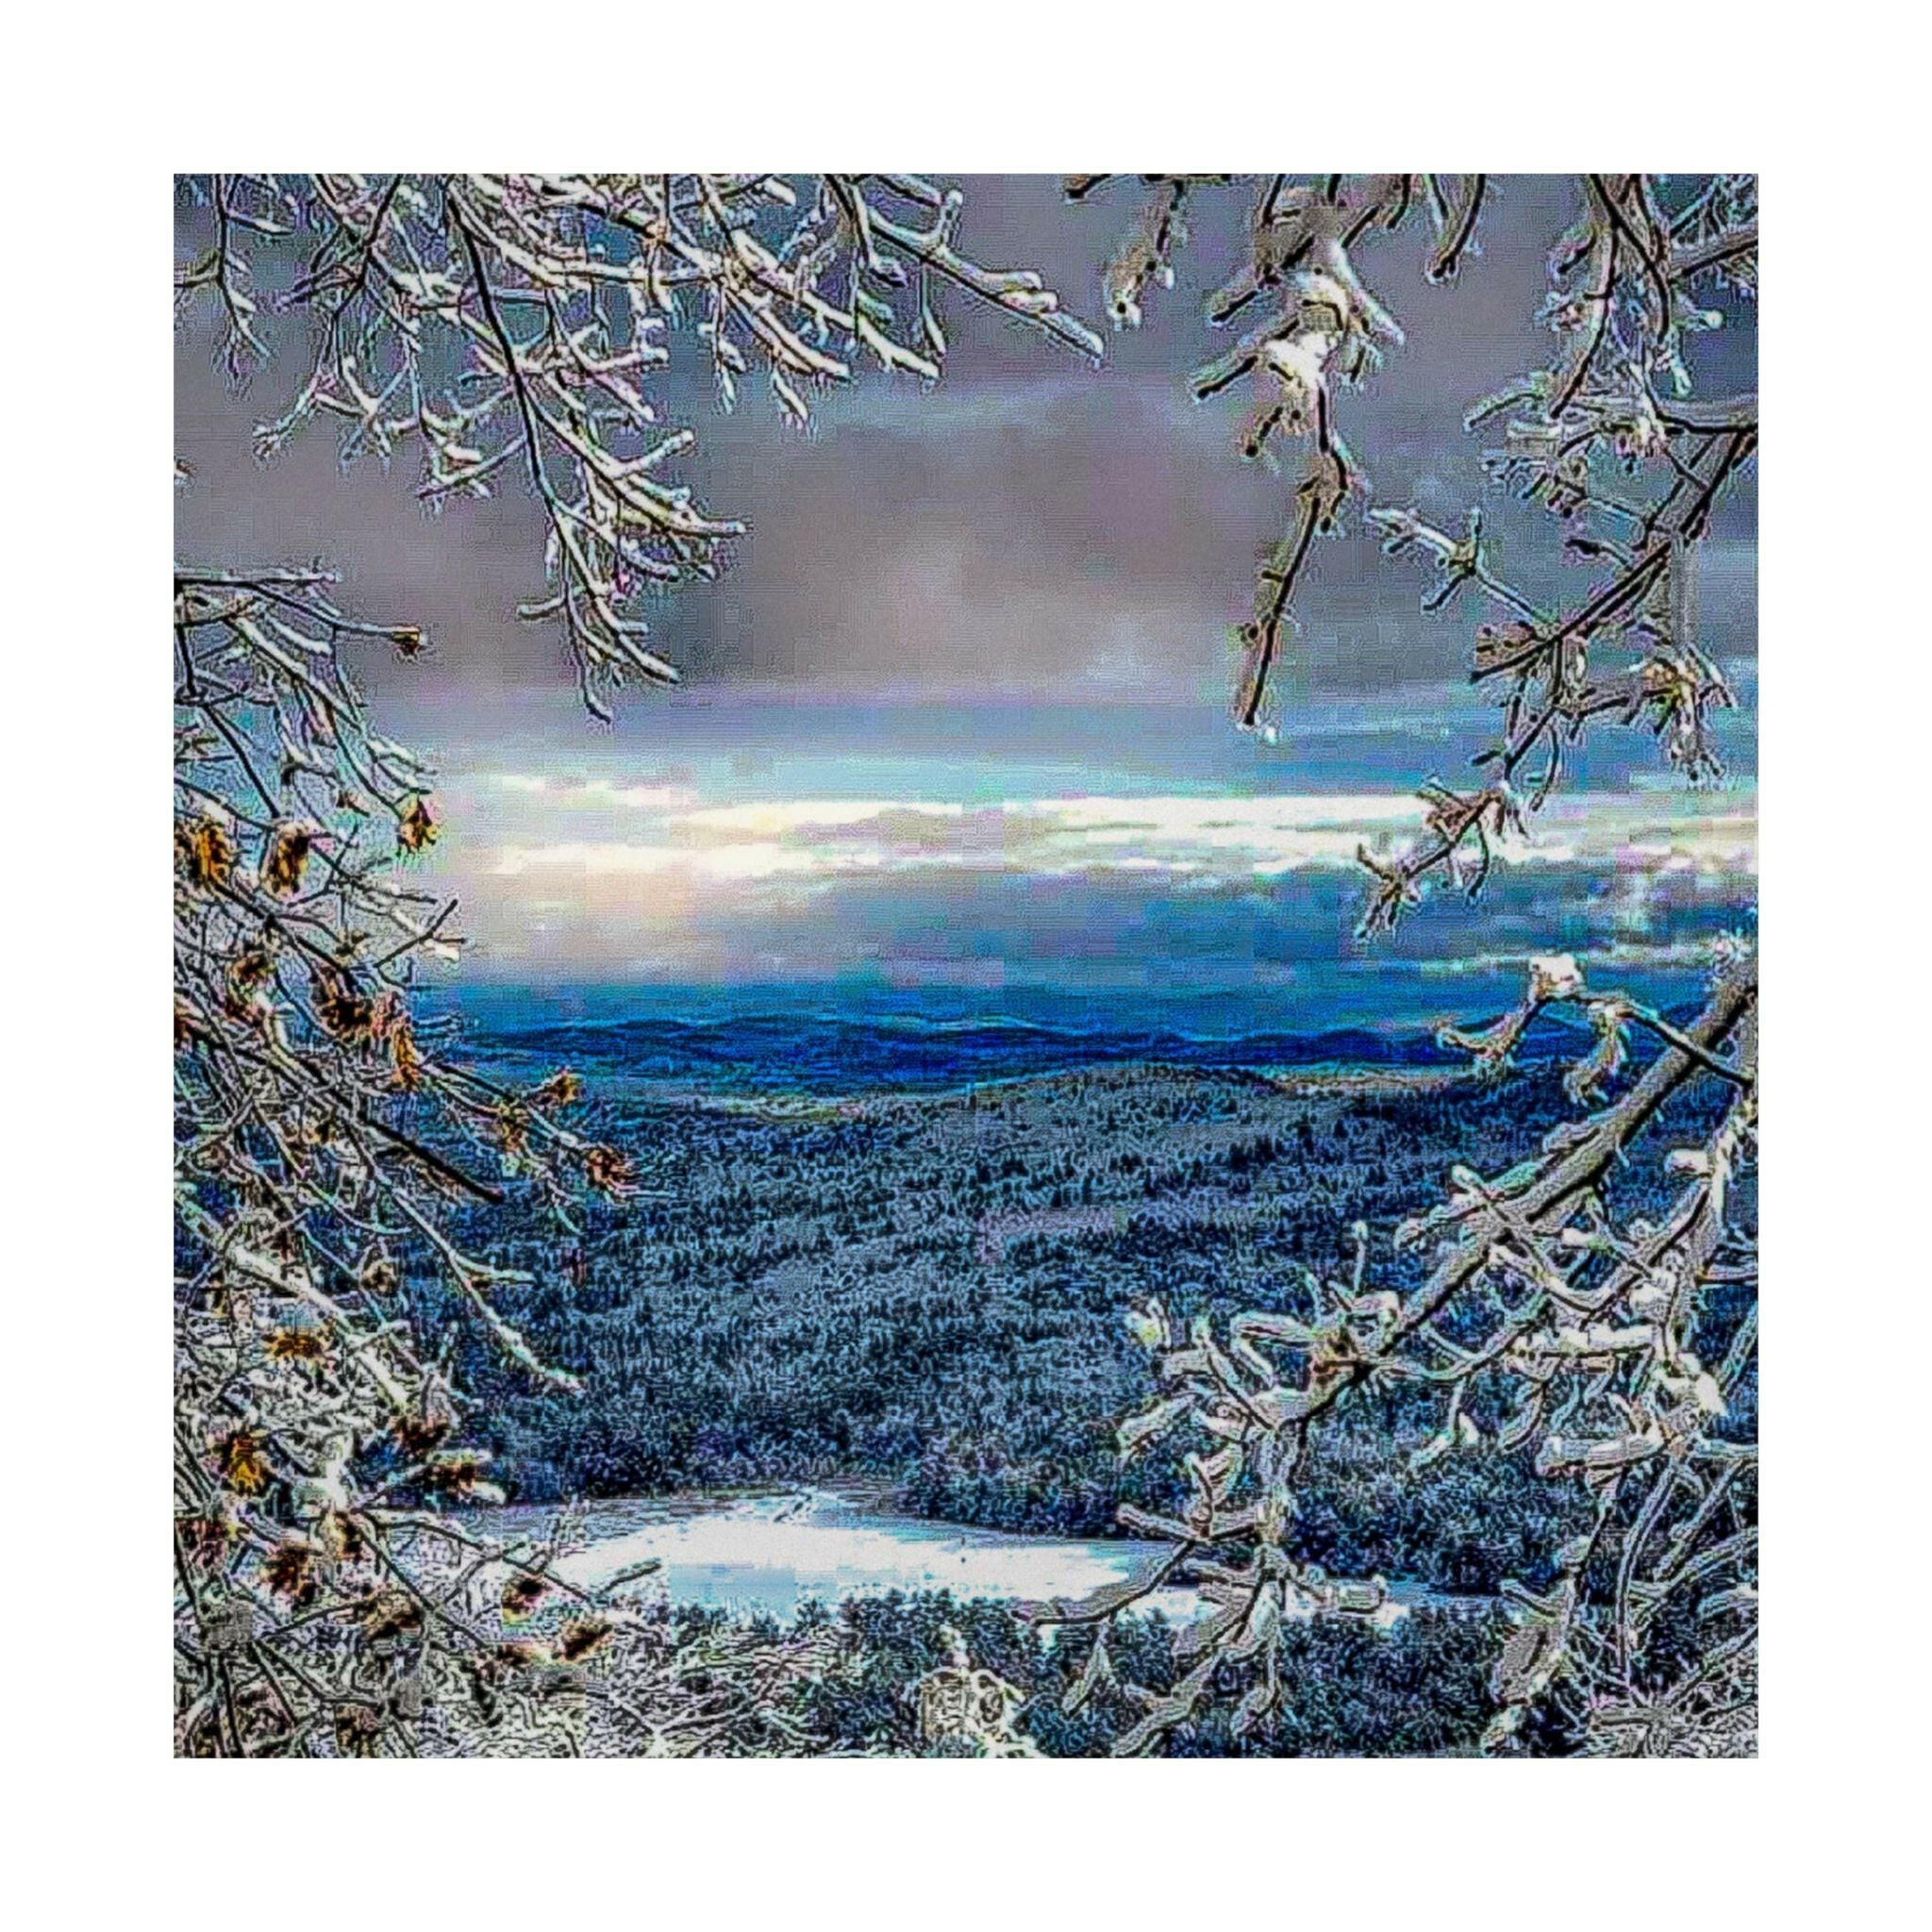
828 1053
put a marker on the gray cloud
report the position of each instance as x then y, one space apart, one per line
1029 527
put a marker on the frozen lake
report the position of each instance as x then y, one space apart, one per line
773 1550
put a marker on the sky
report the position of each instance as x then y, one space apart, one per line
956 716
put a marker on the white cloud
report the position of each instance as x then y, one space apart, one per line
780 818
593 795
750 862
1636 839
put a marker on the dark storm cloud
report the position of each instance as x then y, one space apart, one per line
1094 927
1031 526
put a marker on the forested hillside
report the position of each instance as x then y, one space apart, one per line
929 1290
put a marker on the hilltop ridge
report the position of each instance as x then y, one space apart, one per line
835 1053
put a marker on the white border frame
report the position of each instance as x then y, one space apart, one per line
107 111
